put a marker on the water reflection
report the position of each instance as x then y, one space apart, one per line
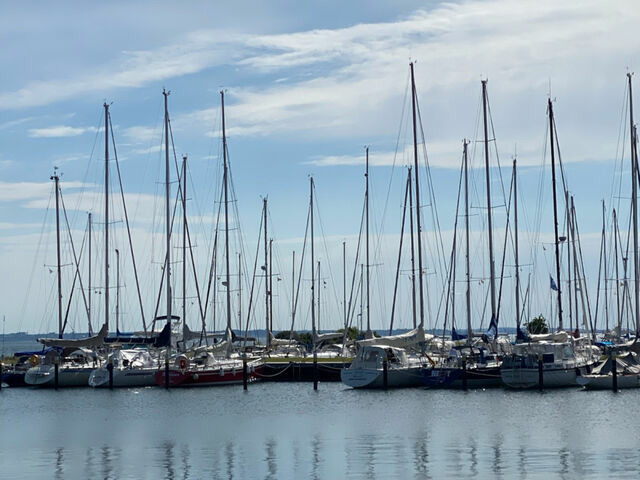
464 436
271 459
59 463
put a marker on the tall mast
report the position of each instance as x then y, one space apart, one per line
604 249
515 214
615 244
319 291
226 213
239 291
106 215
313 309
568 240
59 266
466 224
415 164
366 197
634 197
266 266
344 284
90 262
184 241
167 187
117 292
413 257
555 214
271 284
492 280
293 288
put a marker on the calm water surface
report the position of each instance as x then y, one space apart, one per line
287 431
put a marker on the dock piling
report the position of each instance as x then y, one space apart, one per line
110 370
614 371
56 367
540 373
244 373
464 373
385 374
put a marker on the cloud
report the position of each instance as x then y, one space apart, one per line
31 191
59 131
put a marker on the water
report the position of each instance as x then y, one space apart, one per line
288 431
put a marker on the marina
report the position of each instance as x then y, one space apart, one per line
287 240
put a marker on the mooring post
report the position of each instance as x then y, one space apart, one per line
56 366
614 371
385 374
244 373
0 375
464 373
110 370
540 373
166 373
315 373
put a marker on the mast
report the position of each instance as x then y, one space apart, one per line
167 205
106 214
344 284
569 239
59 266
184 242
226 213
361 294
313 309
515 214
604 249
266 266
555 214
489 214
413 257
293 290
366 196
415 163
319 291
615 244
634 200
239 292
271 284
89 300
165 93
117 292
466 225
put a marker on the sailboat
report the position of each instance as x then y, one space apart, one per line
476 363
555 359
70 361
215 364
387 362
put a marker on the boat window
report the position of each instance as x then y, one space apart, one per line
548 357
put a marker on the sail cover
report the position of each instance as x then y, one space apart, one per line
405 340
90 342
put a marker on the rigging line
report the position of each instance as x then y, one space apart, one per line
433 207
451 267
27 297
253 277
622 132
395 288
395 154
214 255
352 300
76 261
297 295
126 217
504 250
326 250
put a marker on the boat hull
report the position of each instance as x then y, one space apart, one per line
374 378
481 377
127 377
554 377
44 376
226 374
605 382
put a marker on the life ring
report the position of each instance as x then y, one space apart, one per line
34 360
183 362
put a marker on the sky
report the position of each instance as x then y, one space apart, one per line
306 89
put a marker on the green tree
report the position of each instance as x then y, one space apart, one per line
537 325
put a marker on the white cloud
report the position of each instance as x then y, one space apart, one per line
59 131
